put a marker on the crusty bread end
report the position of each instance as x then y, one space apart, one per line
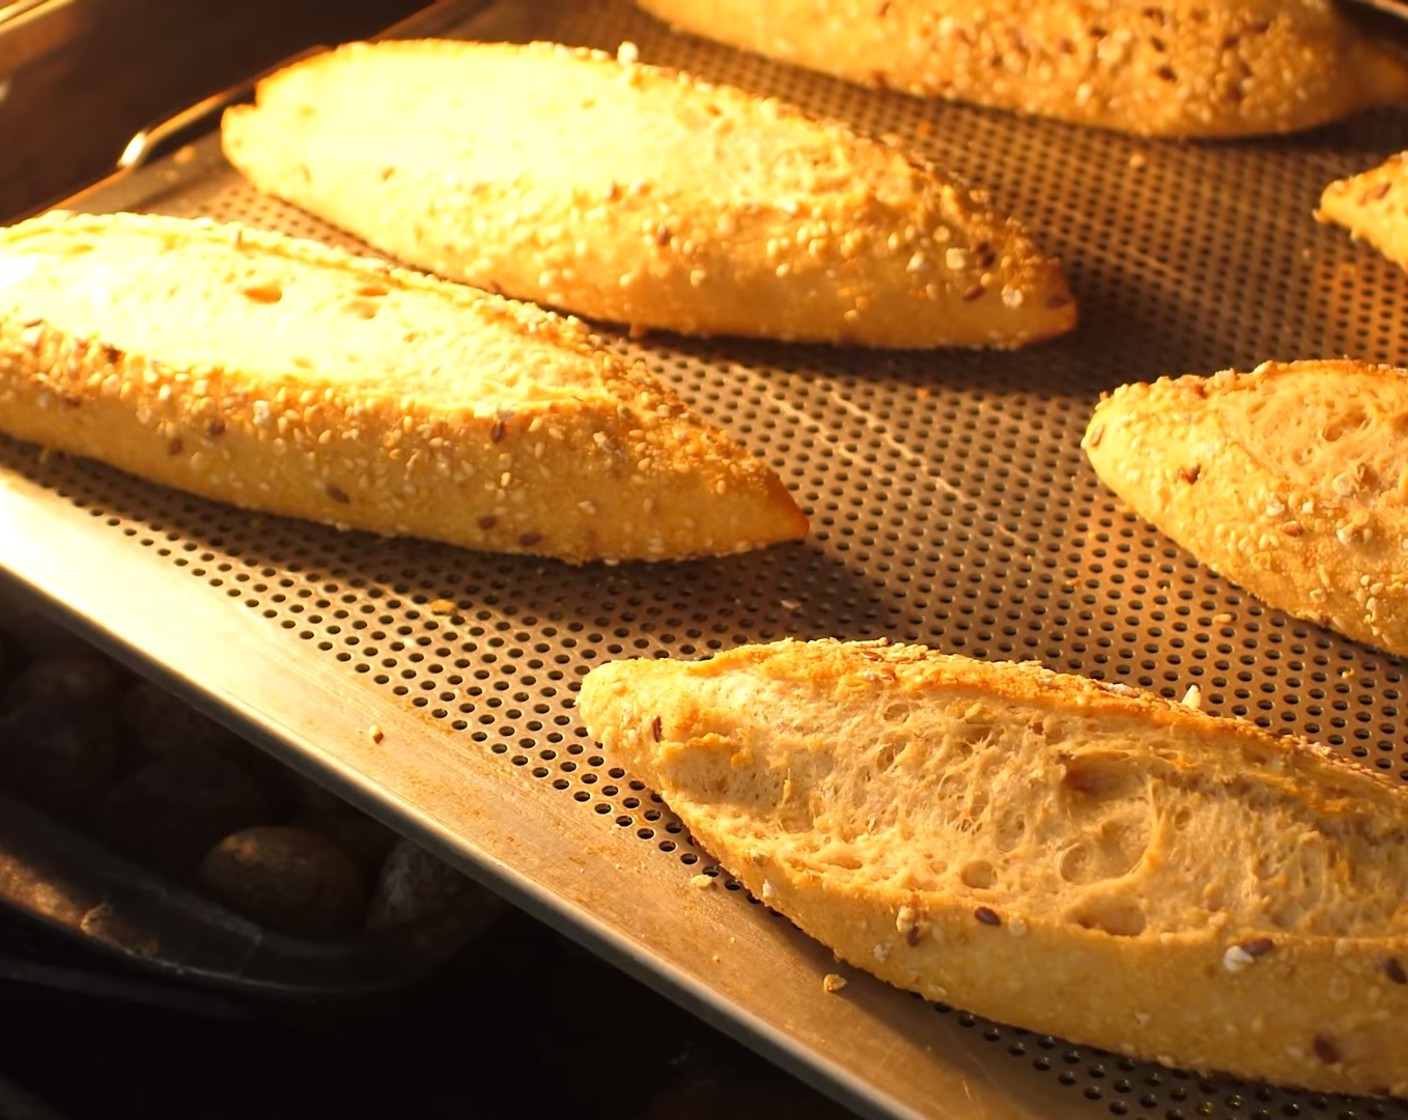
1291 481
1373 207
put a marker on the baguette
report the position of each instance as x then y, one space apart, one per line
285 376
637 195
1291 481
1178 69
1043 850
1373 207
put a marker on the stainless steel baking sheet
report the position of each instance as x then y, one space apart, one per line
950 505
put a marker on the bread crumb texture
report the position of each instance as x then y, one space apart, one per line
1290 480
1044 850
1373 207
289 377
1175 68
640 195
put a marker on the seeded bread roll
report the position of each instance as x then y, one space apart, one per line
284 376
1373 206
1068 857
1178 68
1291 481
641 196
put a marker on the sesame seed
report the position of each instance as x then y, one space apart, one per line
987 916
1326 1050
1239 956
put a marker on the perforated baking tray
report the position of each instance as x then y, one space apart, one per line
950 505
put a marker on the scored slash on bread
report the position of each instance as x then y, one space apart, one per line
639 195
1373 207
1175 68
1291 481
285 376
1044 850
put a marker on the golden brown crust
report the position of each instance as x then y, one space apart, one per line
1373 206
1177 68
1068 857
289 377
639 195
1291 481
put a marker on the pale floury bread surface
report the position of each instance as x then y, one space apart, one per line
1291 481
637 195
288 377
1072 858
1177 68
1373 207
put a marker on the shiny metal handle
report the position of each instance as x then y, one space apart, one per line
30 29
162 136
165 134
1398 8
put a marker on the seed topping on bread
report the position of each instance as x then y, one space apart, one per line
717 211
1180 68
290 377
